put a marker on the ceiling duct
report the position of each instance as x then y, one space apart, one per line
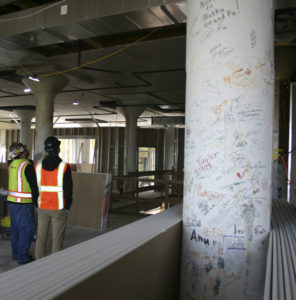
17 107
168 121
111 104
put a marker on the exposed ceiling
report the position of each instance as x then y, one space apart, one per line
124 53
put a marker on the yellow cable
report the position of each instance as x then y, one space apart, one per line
21 66
87 63
99 59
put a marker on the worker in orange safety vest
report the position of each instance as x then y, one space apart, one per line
55 185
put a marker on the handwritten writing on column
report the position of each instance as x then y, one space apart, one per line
234 242
217 15
220 51
206 4
210 195
244 75
205 163
253 38
217 109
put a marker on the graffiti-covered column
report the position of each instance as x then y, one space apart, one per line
228 148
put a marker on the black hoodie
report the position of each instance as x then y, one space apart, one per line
50 163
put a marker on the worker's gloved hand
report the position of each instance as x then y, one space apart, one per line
3 192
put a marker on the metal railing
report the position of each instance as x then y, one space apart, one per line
280 278
165 182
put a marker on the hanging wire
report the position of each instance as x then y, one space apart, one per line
87 63
20 65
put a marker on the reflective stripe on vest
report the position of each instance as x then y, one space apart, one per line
19 194
55 189
22 195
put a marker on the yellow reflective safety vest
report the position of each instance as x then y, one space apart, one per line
19 190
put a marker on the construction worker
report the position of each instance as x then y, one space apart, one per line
22 195
55 186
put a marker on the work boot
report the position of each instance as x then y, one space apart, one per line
31 258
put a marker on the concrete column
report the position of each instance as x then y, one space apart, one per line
131 115
45 92
228 148
169 148
26 116
86 151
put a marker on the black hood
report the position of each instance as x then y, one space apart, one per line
51 162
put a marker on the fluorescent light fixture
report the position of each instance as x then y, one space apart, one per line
164 106
27 90
34 78
75 102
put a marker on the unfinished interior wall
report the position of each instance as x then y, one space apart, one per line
152 138
109 148
228 148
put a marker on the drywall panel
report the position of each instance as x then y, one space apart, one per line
149 272
91 195
137 261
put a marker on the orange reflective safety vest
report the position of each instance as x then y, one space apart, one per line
50 184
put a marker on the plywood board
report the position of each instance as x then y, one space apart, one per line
89 205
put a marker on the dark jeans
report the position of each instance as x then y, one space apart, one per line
22 229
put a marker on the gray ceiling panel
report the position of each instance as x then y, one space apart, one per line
176 12
121 23
98 27
8 45
144 19
40 38
73 31
103 8
20 41
161 15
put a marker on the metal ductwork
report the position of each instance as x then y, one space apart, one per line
168 121
74 20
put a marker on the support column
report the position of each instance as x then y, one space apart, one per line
228 148
131 115
45 92
26 116
169 148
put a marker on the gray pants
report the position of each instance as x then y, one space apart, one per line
58 220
